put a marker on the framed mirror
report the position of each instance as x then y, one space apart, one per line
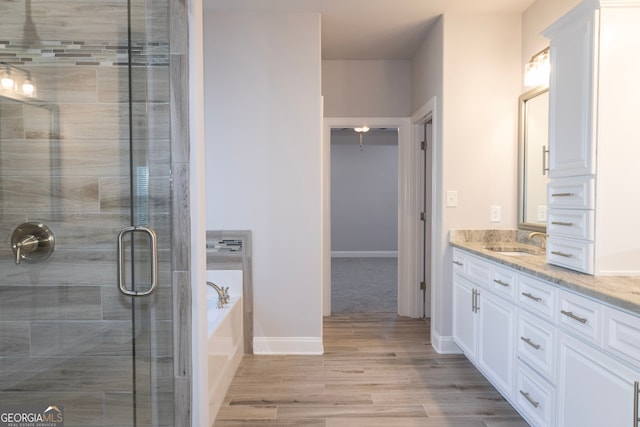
533 153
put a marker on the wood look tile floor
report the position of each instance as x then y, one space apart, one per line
378 370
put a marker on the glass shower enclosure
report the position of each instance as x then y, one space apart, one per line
85 212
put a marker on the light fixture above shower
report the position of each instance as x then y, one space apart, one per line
16 81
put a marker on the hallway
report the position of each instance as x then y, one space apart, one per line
378 370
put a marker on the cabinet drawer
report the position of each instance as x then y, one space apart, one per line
581 316
459 261
478 270
504 282
534 397
622 334
576 193
574 254
536 344
577 224
537 296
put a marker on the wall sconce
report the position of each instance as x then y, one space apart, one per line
16 81
537 70
361 131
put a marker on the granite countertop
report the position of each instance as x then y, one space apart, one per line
619 291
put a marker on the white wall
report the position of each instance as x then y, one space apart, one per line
364 193
263 156
477 133
426 68
537 18
366 88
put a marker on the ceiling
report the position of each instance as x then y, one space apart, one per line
373 29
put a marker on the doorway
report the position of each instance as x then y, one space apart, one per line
364 220
408 291
425 197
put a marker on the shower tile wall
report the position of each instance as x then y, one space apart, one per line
65 161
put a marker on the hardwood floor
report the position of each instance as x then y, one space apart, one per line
377 370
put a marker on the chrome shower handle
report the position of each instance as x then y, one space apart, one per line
26 245
153 251
32 242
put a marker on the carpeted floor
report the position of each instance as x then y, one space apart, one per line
364 285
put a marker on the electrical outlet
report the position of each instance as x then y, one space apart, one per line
542 213
496 215
452 199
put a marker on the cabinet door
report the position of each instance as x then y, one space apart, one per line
571 98
496 346
594 390
464 316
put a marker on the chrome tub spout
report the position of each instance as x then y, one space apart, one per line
223 294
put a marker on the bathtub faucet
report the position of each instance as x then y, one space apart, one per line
223 294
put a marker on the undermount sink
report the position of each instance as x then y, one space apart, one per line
513 251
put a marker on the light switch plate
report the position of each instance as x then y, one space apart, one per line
452 199
542 213
496 214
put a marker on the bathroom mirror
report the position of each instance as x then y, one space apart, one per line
533 153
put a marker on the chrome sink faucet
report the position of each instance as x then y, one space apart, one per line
223 294
542 236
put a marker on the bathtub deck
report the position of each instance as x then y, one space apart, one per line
377 370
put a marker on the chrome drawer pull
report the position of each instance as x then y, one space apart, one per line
562 254
563 194
528 295
474 301
573 316
458 263
500 282
531 343
529 398
566 224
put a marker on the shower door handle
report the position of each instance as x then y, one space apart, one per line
153 252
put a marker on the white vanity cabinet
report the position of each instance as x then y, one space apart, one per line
465 324
559 357
594 389
484 323
592 196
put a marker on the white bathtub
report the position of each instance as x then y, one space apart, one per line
226 340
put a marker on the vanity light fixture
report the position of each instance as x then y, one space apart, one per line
16 80
536 72
6 81
361 131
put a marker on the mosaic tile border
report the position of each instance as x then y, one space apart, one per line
78 53
225 245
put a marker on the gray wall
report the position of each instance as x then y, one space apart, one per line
366 88
364 193
264 167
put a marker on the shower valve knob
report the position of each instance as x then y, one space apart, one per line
32 242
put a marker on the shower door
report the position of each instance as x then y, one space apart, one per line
85 154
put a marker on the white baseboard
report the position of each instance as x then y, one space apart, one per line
364 254
444 345
289 345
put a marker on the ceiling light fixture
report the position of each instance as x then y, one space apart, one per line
361 131
537 70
